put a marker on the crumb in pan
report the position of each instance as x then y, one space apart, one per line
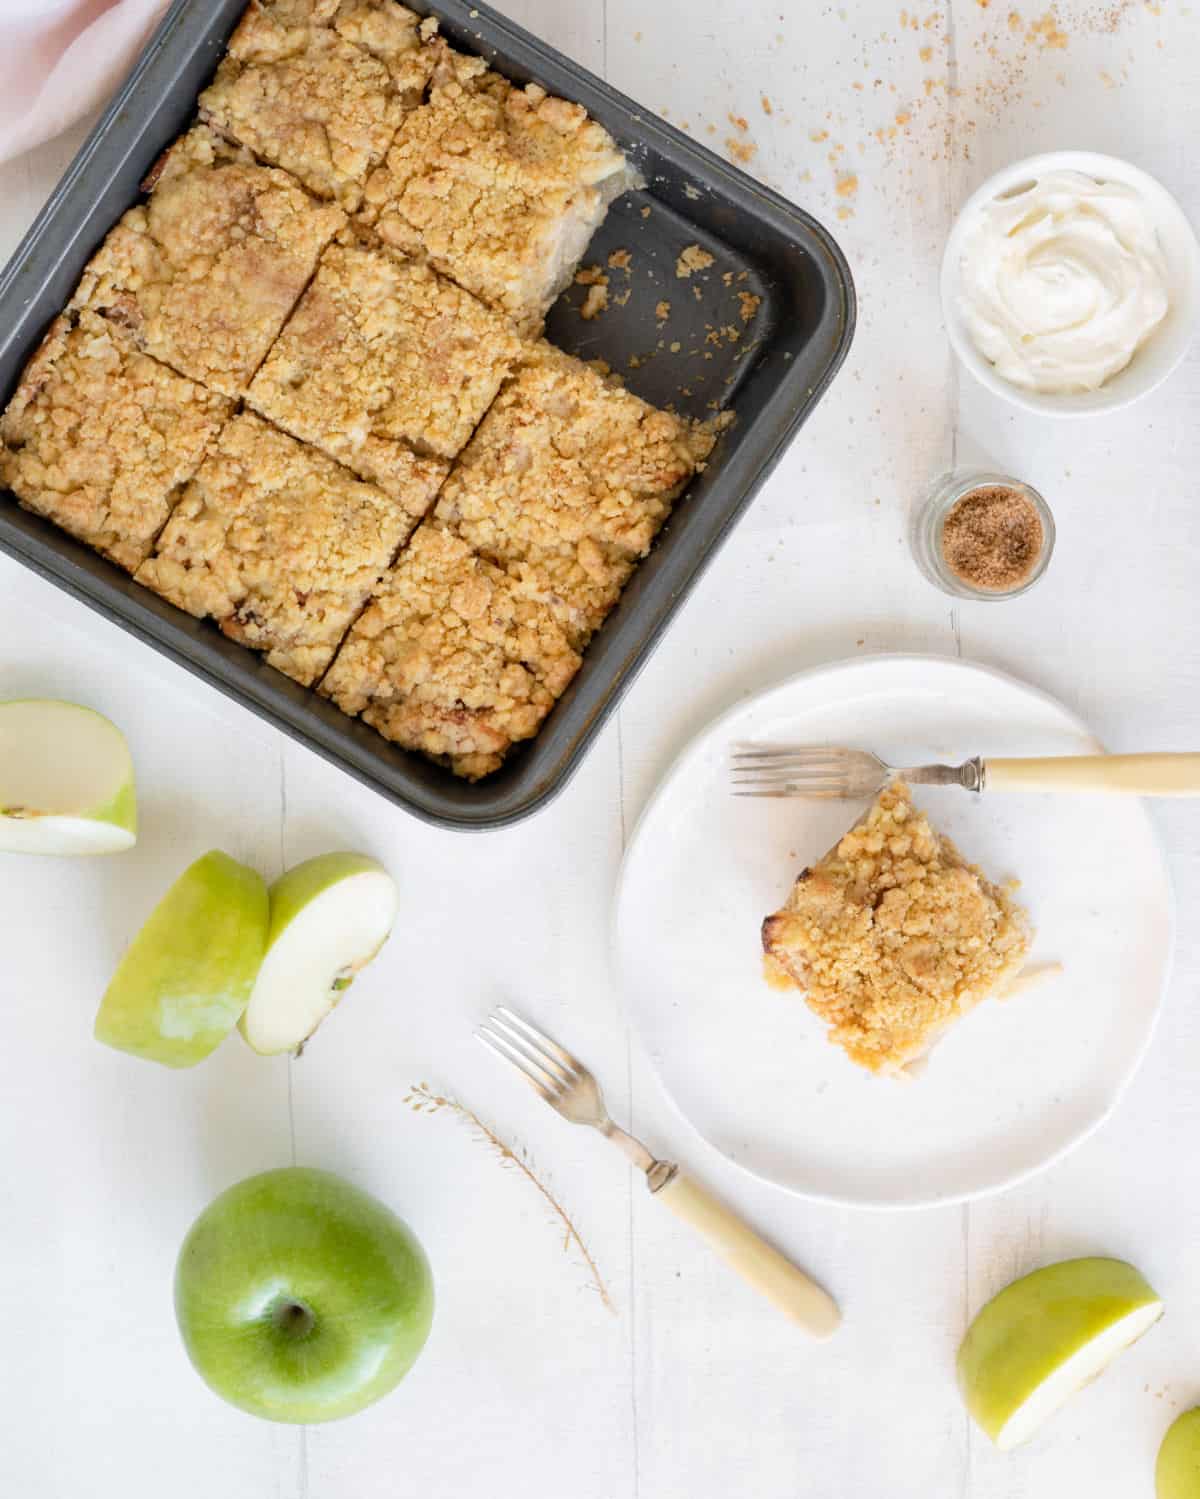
692 258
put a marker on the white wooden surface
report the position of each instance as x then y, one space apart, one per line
692 1389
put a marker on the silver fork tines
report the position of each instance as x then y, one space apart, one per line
828 773
558 1077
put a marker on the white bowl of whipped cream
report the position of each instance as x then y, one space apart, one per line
1071 283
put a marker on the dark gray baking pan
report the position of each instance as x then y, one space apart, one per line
707 353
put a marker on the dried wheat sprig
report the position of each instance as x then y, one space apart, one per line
423 1100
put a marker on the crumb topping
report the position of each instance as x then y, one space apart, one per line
320 87
383 358
203 275
451 659
501 187
692 258
893 936
99 436
566 483
278 544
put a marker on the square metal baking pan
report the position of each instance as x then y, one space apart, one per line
768 362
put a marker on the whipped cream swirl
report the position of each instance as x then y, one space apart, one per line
1062 282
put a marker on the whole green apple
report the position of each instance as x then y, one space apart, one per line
300 1297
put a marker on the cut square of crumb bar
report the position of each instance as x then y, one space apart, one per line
451 658
319 87
280 545
99 436
893 936
383 356
566 482
501 187
203 275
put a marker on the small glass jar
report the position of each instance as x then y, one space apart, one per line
929 522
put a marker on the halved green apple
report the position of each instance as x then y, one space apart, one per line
329 917
183 984
1177 1471
1044 1337
66 780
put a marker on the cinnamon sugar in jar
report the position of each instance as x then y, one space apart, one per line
983 536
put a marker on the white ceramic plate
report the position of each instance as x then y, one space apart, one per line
1012 1086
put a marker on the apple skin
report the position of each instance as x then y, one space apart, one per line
1018 1338
187 975
301 1298
1177 1471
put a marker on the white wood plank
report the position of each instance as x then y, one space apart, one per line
108 1159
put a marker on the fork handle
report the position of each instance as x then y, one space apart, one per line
760 1265
1133 775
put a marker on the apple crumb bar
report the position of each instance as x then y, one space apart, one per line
892 936
500 187
280 545
382 356
566 483
203 274
98 436
319 87
450 658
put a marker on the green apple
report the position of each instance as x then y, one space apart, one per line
66 780
300 1297
329 917
184 982
1044 1337
1177 1472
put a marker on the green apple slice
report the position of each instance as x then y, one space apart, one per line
1177 1472
66 780
1044 1337
329 917
183 984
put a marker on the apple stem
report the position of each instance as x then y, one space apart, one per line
294 1318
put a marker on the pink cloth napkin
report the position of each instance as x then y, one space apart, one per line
59 59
